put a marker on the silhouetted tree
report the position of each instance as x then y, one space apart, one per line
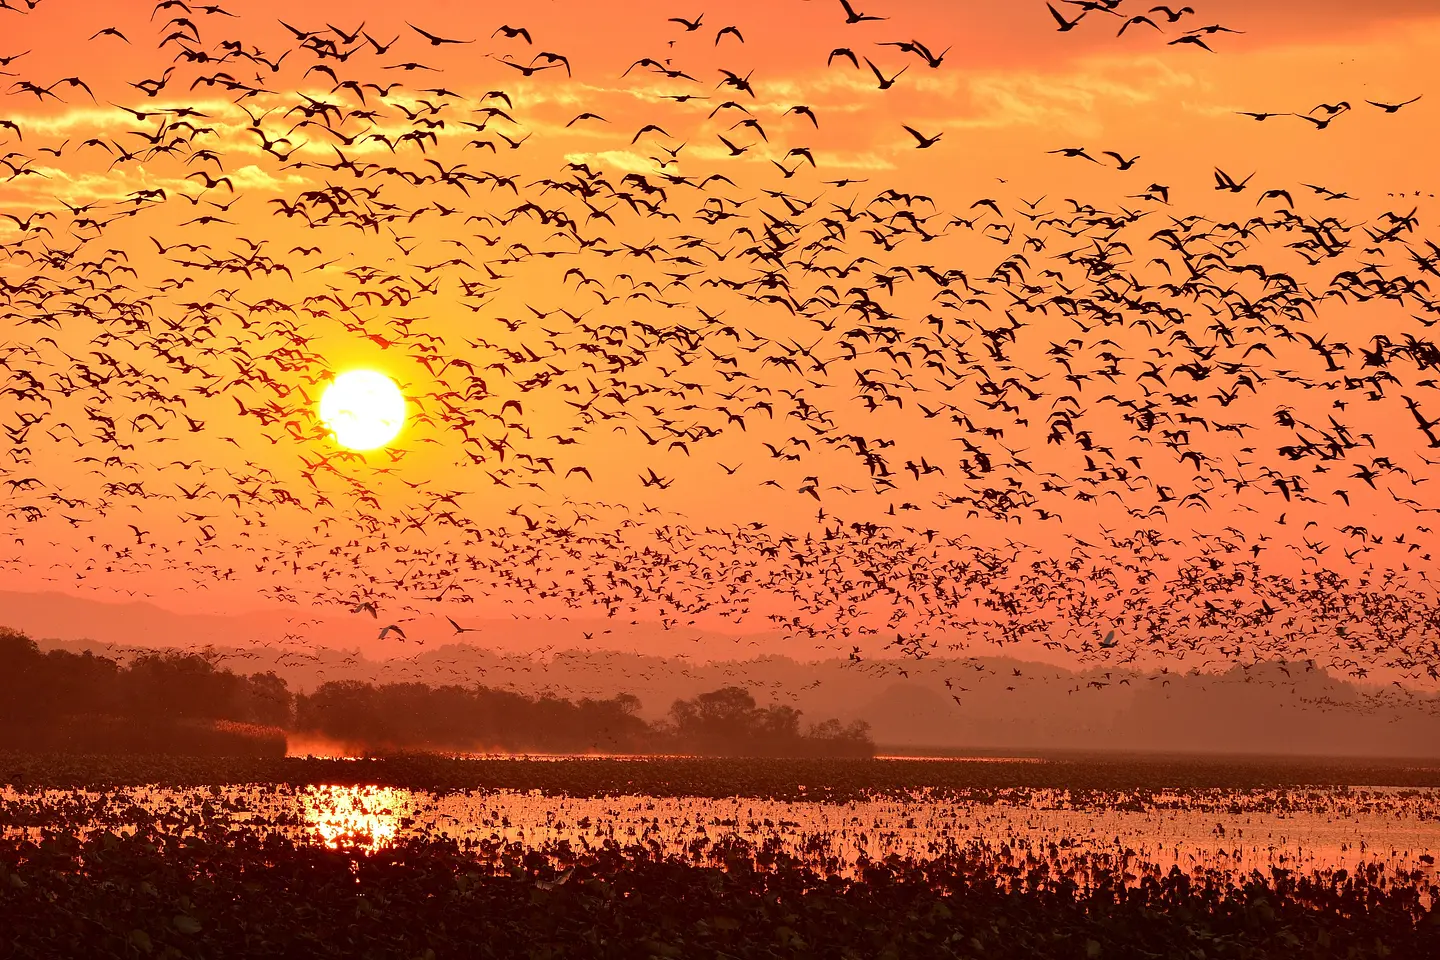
160 701
183 701
729 721
416 716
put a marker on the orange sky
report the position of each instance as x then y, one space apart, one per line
436 263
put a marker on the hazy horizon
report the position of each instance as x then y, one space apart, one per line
908 703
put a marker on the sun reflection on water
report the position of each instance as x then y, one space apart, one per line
366 817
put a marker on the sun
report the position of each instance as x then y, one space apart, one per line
364 409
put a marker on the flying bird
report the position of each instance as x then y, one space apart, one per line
435 41
922 141
1394 107
852 17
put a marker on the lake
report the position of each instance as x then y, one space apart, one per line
918 811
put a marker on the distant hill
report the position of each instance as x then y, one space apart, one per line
141 623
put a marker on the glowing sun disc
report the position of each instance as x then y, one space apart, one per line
364 409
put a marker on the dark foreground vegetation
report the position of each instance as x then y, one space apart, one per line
228 893
176 703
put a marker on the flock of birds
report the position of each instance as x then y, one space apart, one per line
1123 427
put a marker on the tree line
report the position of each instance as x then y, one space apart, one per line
171 702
